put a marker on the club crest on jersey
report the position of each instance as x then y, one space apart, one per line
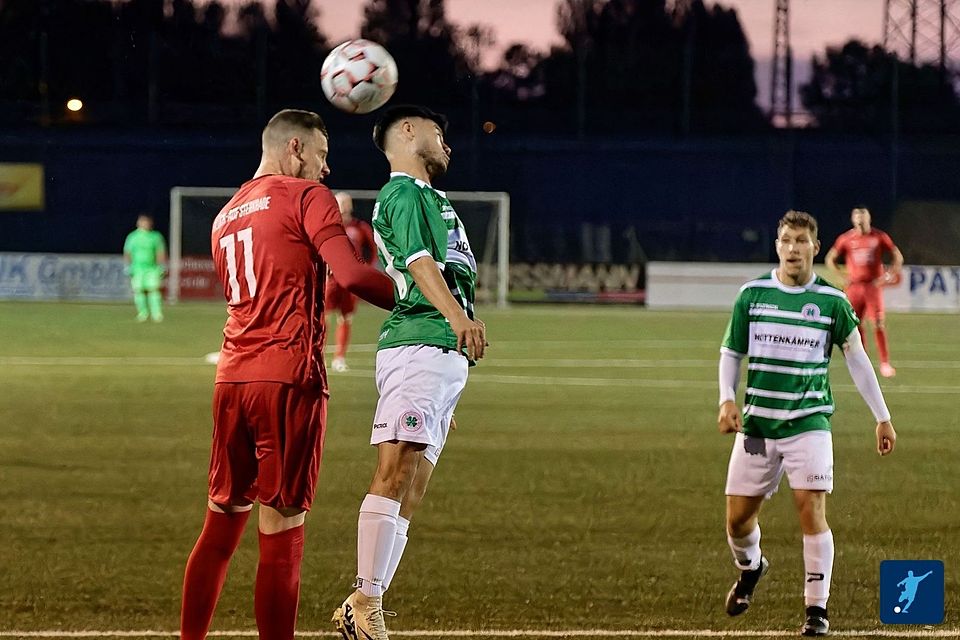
810 312
411 420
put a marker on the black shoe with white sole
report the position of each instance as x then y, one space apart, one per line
817 623
738 600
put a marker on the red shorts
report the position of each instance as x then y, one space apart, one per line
866 299
267 444
337 298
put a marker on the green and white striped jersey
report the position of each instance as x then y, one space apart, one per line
411 220
787 334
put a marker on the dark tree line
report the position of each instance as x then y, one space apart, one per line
141 53
637 64
862 88
623 65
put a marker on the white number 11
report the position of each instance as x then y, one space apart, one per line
227 243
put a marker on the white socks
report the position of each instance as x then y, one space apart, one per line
746 550
399 544
376 535
818 563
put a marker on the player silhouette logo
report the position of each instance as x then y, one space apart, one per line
909 593
902 600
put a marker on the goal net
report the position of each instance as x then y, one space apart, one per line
485 214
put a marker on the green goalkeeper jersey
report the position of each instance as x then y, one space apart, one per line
412 220
787 334
143 247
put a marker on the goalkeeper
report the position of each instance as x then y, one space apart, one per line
145 257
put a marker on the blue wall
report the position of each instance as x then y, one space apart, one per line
690 199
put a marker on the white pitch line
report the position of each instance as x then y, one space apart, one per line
645 383
512 633
682 363
594 382
93 361
563 381
679 384
610 343
100 361
928 364
560 363
599 363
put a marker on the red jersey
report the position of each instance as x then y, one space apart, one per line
265 245
863 253
361 237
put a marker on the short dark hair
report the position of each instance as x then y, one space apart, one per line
297 119
399 112
800 219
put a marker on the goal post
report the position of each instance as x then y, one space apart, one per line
485 214
199 205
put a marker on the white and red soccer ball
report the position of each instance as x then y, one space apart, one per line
358 76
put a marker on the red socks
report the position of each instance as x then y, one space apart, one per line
343 339
207 570
278 583
278 577
882 345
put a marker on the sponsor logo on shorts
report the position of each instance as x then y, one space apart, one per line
379 425
819 477
411 420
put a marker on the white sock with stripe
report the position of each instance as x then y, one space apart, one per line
376 533
818 563
746 550
399 544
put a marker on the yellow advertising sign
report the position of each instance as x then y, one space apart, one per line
21 186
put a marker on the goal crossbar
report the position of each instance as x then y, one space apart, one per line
497 239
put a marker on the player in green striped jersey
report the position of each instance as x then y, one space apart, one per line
786 324
423 351
145 256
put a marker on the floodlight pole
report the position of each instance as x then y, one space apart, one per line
923 31
781 78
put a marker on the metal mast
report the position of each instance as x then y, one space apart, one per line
781 77
923 31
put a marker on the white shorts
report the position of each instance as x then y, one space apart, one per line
419 388
757 464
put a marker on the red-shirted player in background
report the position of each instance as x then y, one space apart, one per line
862 249
272 245
336 297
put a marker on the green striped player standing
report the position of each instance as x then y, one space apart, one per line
786 324
145 256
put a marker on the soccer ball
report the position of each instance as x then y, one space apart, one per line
358 76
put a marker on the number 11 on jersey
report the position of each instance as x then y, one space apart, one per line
228 244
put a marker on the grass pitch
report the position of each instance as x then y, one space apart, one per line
584 488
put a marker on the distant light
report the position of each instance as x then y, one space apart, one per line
74 104
489 127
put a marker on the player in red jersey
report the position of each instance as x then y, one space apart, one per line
862 249
272 245
337 298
